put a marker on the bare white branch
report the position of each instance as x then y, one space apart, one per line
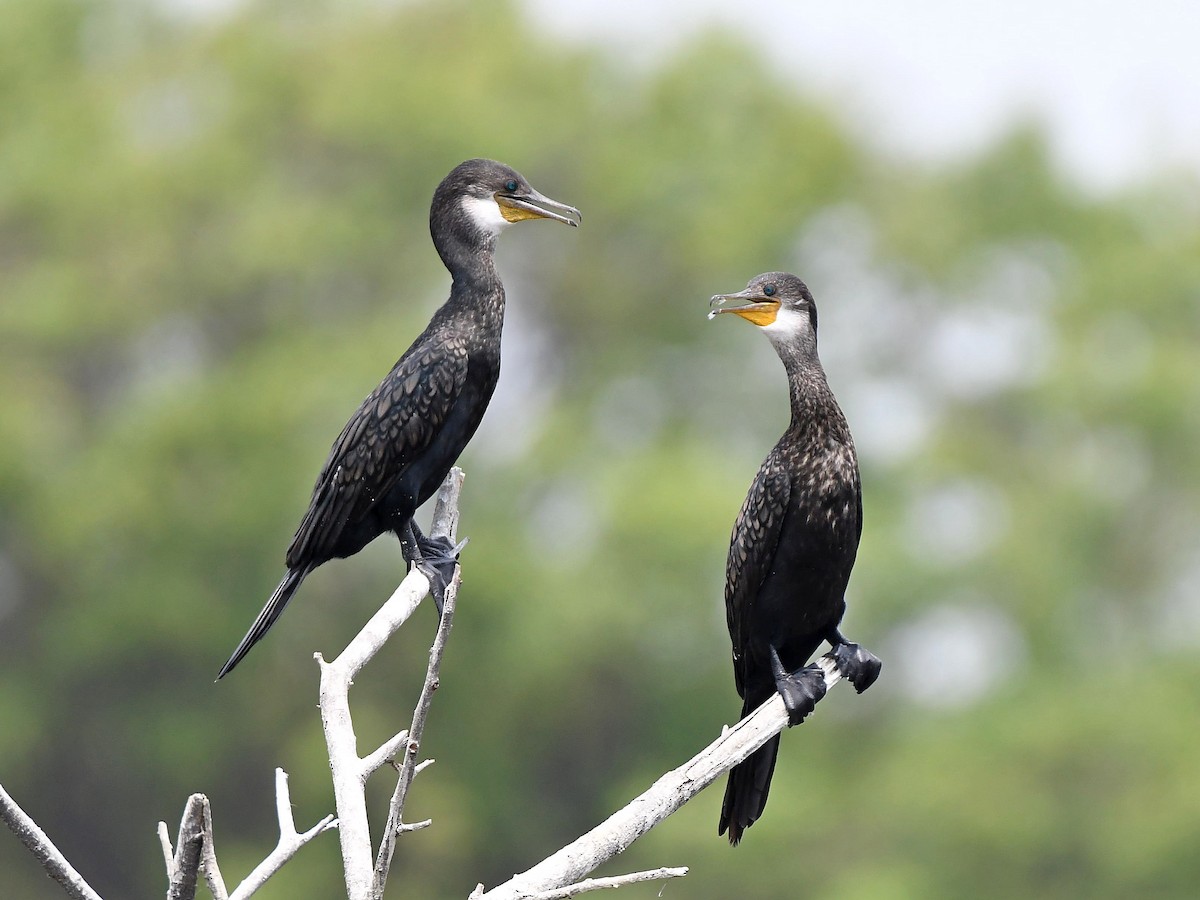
185 865
347 769
164 838
413 826
444 525
43 848
283 805
336 678
195 852
289 840
381 626
574 861
345 766
408 765
387 752
208 859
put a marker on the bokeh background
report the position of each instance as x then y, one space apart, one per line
213 243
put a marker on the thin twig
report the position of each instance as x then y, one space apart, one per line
164 838
208 859
413 826
574 861
387 843
386 753
289 840
43 848
616 881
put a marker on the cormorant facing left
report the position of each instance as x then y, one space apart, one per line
400 443
793 543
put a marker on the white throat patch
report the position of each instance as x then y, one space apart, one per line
788 324
485 213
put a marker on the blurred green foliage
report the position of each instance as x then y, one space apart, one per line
213 243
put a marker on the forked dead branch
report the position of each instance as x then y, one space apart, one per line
563 874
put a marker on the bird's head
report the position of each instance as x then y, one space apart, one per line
778 303
491 196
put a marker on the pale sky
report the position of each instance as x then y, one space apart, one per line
1116 82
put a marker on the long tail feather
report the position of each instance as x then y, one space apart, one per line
266 618
746 790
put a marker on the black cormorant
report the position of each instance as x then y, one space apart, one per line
400 443
793 543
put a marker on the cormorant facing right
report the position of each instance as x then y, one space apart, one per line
400 443
793 543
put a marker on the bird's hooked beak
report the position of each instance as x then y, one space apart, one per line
531 204
752 305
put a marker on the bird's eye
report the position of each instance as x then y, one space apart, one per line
769 290
510 186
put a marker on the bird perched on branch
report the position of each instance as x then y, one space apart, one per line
400 443
793 543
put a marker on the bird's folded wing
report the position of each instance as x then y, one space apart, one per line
752 554
392 427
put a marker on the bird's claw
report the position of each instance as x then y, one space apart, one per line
858 665
436 560
801 690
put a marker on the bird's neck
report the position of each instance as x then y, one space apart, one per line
814 408
469 257
477 295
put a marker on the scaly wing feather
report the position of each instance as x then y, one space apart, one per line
393 426
751 556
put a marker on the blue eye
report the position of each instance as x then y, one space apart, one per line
769 290
510 186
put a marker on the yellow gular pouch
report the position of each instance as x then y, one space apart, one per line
513 213
760 314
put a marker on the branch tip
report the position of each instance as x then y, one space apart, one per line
164 838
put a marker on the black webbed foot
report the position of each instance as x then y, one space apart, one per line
800 689
858 665
434 557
